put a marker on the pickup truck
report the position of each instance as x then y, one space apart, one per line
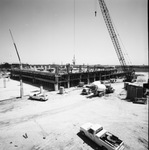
103 138
86 91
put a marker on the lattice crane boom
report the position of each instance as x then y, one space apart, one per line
115 41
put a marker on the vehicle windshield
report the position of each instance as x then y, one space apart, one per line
98 130
84 90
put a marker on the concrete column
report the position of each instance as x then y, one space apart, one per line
33 79
4 80
68 68
94 68
68 83
21 89
41 89
45 68
48 67
88 68
56 87
100 76
88 80
94 77
80 78
80 68
56 70
56 83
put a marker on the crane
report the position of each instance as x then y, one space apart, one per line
21 83
115 41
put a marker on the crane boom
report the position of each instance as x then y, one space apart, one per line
15 47
112 33
129 74
21 83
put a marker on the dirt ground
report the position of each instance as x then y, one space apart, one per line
54 125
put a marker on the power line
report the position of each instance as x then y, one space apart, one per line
74 35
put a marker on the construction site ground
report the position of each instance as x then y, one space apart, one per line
54 125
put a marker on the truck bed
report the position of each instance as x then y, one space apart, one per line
111 139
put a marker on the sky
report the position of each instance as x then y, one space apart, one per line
53 31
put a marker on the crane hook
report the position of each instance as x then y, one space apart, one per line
95 13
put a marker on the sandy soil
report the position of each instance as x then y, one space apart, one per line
54 125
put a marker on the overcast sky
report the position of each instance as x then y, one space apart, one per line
52 31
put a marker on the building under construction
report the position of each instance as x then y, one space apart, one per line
67 76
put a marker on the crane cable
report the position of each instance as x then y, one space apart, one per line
74 35
125 51
95 7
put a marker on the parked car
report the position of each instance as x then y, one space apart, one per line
39 96
103 138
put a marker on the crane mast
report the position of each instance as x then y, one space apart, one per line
113 35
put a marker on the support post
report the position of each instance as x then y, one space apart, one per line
21 88
56 84
68 82
94 76
80 69
88 79
4 80
21 82
100 76
80 78
41 89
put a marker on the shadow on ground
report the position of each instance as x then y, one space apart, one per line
35 84
91 96
89 142
38 100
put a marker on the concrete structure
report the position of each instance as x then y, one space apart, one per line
53 81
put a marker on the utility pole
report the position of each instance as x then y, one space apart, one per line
21 83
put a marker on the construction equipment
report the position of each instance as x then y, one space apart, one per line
129 74
98 89
21 82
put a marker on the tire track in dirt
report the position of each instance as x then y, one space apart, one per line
26 118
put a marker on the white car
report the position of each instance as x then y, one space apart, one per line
39 96
103 138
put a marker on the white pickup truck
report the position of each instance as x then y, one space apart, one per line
103 138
